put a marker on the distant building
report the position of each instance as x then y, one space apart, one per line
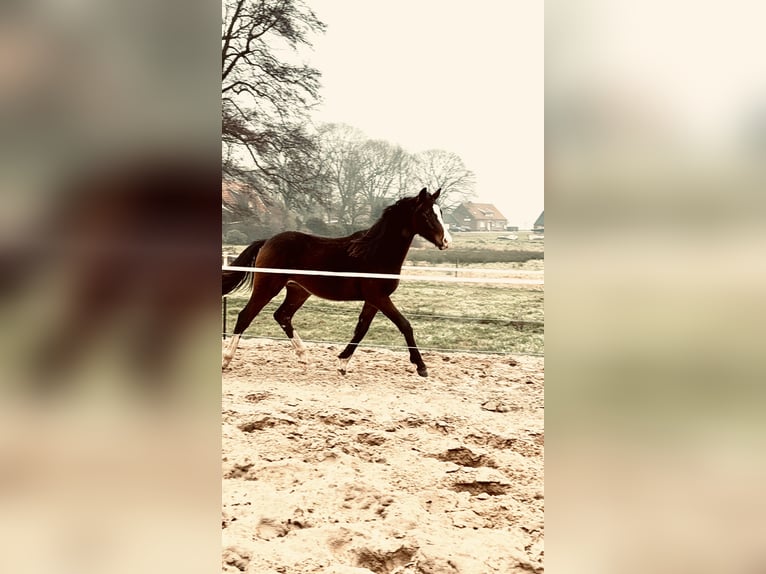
478 217
539 226
238 198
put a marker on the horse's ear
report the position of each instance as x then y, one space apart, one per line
435 195
423 194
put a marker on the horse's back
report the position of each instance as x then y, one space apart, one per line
298 250
302 251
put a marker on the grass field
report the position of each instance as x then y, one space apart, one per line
492 240
456 316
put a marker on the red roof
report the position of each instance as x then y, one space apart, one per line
232 190
483 211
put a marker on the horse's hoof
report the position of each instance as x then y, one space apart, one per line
342 371
422 371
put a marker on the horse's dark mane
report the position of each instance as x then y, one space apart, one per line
368 242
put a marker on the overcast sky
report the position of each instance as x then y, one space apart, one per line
465 77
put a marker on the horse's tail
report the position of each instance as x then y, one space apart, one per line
235 279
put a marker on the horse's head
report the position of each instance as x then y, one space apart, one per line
428 220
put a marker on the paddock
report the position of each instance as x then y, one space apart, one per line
380 470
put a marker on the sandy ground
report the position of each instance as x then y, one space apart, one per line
381 470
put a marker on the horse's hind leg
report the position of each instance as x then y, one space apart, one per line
365 319
296 297
228 354
264 290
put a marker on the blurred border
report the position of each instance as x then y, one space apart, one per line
655 172
110 250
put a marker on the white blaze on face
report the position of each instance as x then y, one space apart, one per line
447 236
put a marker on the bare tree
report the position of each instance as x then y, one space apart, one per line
366 175
340 153
442 169
267 92
383 166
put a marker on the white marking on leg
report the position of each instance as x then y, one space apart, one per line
447 236
228 354
299 347
342 365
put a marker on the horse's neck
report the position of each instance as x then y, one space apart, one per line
393 249
384 246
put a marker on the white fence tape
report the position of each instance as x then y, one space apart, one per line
433 278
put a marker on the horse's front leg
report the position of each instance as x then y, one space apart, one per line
387 307
362 326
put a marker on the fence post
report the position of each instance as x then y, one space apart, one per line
224 317
225 262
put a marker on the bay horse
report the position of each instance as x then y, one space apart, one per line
379 249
